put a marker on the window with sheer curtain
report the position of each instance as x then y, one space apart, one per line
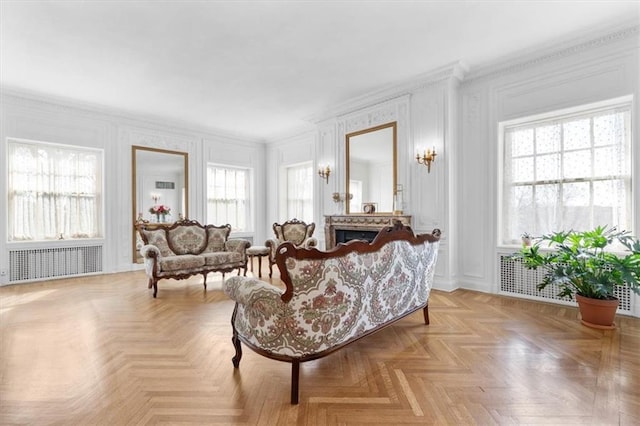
228 197
54 191
570 171
300 192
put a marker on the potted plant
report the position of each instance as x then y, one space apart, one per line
581 266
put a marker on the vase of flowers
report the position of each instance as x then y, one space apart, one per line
160 210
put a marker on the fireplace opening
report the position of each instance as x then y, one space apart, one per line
344 235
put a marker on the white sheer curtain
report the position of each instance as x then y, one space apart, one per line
300 192
227 197
571 172
54 191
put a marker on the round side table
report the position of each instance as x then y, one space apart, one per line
259 252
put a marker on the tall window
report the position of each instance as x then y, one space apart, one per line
54 191
300 192
228 197
567 172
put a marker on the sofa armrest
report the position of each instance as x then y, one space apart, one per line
237 245
249 290
150 251
272 245
310 242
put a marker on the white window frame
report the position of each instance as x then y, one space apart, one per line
287 214
561 115
63 233
249 216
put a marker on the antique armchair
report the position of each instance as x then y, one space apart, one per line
294 231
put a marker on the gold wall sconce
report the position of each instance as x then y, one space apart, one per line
324 173
339 197
428 158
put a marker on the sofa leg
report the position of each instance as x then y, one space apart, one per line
270 269
426 314
155 288
236 341
295 380
204 274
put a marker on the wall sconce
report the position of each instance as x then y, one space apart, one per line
339 197
428 158
324 173
155 197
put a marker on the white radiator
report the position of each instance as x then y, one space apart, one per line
59 262
517 280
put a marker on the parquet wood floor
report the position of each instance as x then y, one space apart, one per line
102 351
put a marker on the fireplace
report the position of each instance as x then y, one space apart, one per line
343 228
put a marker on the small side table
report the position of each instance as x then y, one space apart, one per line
259 252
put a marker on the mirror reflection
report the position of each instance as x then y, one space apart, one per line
371 169
160 187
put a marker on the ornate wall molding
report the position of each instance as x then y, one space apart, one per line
455 70
540 56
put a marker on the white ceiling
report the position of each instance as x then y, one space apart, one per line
259 69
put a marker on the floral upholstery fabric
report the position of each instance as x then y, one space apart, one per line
335 300
217 236
222 258
158 238
189 239
183 261
298 233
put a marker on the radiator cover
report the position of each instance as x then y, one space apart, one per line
517 280
58 262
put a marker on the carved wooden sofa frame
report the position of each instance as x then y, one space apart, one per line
332 298
187 248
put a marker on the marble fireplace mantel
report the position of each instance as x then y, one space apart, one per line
341 228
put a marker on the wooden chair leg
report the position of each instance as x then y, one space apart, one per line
155 288
236 341
426 314
295 380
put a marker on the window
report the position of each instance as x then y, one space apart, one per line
300 192
54 191
570 171
228 197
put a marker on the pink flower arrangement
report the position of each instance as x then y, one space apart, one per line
160 209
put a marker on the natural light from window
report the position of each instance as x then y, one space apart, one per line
567 171
54 191
228 190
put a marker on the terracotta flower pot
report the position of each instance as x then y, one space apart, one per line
597 313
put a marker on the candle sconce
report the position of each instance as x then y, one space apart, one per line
427 158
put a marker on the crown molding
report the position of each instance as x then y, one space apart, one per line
559 50
455 70
69 105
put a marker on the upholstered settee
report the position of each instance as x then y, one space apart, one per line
294 231
188 248
332 298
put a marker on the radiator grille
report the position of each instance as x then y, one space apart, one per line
35 264
516 279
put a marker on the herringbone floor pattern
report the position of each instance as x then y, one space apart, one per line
102 351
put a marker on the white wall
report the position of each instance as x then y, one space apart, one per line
28 116
588 70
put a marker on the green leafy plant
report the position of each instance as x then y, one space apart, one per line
578 262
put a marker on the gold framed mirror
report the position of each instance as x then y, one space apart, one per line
159 181
371 173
